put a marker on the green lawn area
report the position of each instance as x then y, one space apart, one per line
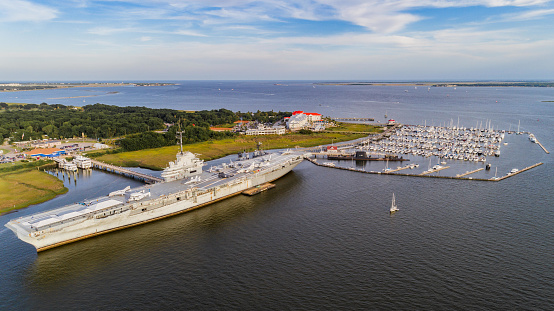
158 158
355 127
24 187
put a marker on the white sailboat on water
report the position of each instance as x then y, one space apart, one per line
393 207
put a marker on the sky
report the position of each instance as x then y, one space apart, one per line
356 40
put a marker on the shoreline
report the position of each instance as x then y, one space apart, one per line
443 84
20 87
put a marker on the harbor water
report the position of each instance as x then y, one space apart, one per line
322 239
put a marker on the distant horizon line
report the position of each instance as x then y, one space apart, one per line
282 80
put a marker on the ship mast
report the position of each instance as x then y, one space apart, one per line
181 137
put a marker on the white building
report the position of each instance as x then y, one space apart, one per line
301 119
263 130
100 146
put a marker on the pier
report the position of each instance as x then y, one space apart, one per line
427 175
513 174
399 169
469 173
542 147
434 170
149 179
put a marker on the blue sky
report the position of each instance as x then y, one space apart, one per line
276 39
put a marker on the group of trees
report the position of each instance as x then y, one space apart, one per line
191 134
27 122
263 116
32 121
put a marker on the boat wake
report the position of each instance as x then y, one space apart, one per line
3 230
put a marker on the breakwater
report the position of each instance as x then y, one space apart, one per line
426 174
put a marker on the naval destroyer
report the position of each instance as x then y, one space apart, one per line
186 186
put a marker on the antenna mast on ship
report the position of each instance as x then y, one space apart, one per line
180 137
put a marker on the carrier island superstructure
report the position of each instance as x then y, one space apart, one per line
186 187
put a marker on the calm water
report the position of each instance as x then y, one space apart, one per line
323 238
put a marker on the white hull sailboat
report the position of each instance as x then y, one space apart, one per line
393 207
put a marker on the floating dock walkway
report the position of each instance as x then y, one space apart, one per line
125 172
431 171
542 146
399 169
513 174
469 173
426 175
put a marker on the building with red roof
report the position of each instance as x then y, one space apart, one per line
45 152
301 119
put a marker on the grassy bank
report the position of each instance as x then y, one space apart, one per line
25 186
158 158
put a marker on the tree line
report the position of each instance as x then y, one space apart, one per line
31 121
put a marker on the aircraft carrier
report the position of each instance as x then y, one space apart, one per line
186 187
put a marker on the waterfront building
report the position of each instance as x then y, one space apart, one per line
45 152
301 119
265 130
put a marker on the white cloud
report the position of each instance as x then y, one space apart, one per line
104 31
388 16
189 33
528 15
21 10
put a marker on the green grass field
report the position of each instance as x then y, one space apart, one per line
159 157
24 187
354 127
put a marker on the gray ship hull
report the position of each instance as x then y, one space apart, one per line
161 204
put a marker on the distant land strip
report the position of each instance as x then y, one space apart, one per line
16 87
447 84
81 96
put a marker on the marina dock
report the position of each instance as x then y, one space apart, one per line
125 172
513 174
428 175
543 147
469 173
398 169
434 170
